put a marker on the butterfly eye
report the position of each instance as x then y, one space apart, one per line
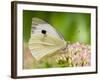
43 31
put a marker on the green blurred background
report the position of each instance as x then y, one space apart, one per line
75 27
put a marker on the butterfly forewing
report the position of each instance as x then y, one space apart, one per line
41 44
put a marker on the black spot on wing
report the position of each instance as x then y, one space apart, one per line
43 31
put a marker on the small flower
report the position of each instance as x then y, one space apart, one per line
77 54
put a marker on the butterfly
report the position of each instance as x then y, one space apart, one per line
44 39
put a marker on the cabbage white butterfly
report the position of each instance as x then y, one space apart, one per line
44 39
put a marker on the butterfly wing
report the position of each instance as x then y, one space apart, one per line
39 24
41 46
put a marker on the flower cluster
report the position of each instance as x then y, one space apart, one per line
77 54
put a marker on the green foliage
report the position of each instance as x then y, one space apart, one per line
47 65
